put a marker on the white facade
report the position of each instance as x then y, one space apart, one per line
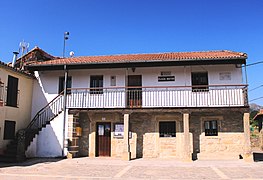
46 88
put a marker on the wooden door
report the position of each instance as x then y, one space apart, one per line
103 139
134 94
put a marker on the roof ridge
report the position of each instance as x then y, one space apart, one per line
172 52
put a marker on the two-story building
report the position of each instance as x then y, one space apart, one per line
16 89
186 105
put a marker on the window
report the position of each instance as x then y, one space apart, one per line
1 93
12 91
167 129
199 79
96 84
211 128
61 84
113 80
9 131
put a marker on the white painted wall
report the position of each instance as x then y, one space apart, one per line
46 88
49 141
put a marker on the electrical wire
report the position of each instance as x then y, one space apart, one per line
256 88
256 99
259 62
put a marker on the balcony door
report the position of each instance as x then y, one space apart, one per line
134 93
103 139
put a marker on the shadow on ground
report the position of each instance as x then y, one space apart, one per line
30 162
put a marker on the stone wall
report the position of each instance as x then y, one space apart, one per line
84 122
224 146
117 146
145 141
229 143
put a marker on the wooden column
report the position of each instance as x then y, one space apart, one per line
187 153
126 144
247 145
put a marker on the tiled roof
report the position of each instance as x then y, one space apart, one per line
9 67
128 58
36 48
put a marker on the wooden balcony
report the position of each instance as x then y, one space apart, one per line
155 97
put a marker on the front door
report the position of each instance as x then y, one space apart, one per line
134 94
103 139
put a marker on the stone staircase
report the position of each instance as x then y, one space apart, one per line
16 148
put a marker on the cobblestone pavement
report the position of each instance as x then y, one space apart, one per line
109 168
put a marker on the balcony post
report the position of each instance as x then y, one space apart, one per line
126 144
64 109
247 145
187 153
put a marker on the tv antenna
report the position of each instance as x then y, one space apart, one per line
23 47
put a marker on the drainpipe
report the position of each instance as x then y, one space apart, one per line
246 86
246 73
64 108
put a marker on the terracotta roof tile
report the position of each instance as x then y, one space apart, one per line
126 58
7 66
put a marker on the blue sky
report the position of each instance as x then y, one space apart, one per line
100 27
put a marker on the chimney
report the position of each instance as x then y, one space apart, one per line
14 58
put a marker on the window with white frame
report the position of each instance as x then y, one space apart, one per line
113 80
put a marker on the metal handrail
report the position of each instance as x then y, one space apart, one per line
146 87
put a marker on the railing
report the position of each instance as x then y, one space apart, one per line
138 97
47 113
43 117
151 97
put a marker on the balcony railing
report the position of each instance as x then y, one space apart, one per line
152 97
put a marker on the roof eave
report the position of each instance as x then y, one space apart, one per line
154 63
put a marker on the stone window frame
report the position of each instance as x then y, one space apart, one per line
219 120
171 134
178 124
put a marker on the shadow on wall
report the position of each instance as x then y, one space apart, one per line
140 125
45 89
84 139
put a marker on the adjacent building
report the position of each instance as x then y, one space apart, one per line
15 102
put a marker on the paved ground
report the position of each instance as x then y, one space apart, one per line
108 168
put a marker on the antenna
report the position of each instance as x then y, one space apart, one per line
23 46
